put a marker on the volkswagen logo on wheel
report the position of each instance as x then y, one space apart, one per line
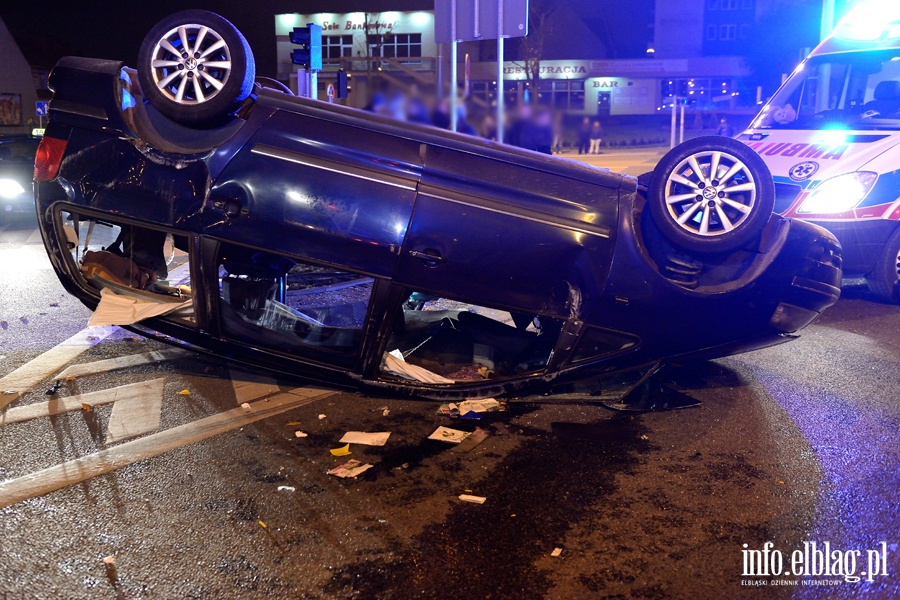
803 171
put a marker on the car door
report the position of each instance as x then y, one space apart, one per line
310 216
502 249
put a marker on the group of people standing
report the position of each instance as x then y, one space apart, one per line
590 135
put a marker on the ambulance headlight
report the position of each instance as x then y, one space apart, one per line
10 188
840 193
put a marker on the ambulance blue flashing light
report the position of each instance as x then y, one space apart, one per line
874 21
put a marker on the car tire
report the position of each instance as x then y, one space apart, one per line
702 214
884 278
196 68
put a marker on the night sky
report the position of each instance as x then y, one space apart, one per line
49 29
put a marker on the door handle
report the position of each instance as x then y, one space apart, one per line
430 257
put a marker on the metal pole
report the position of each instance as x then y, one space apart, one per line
314 84
440 71
453 74
501 91
681 130
827 19
674 118
454 96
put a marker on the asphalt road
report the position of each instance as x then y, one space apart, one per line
791 445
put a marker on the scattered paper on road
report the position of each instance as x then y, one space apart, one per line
479 406
351 468
472 440
556 552
445 434
301 434
369 439
342 451
472 499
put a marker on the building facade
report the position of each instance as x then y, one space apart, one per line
693 56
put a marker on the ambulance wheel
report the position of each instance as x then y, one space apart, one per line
711 194
884 278
196 68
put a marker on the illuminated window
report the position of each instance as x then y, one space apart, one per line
337 46
396 45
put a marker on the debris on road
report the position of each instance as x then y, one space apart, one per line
478 406
184 393
301 434
472 440
351 468
472 499
342 451
395 364
445 434
110 560
321 417
448 410
53 390
556 552
385 411
292 423
369 439
286 488
246 406
87 407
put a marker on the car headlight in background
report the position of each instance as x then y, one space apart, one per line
10 188
839 194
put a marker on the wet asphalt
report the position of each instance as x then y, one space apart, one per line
791 444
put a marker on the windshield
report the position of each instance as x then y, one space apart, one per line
853 90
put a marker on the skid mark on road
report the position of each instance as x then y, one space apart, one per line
20 381
84 468
58 406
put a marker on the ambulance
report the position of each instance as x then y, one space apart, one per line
831 138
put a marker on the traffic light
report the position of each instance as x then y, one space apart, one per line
309 55
343 84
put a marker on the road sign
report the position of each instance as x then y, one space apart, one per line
41 107
479 20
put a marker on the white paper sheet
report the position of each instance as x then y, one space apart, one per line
117 309
369 439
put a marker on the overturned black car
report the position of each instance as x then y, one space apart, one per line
336 245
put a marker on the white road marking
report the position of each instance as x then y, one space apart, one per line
35 237
72 403
111 364
33 372
78 470
248 387
135 416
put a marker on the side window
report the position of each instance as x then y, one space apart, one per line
149 267
289 305
438 340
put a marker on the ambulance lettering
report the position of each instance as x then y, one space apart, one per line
817 151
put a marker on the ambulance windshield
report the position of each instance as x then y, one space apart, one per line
845 91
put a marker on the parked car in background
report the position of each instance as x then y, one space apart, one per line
341 246
16 174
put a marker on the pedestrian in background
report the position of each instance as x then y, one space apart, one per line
596 136
584 136
725 128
